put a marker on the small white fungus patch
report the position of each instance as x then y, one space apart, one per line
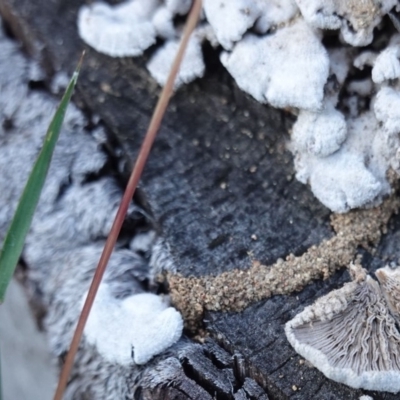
133 329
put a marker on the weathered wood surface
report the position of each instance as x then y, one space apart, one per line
219 173
212 135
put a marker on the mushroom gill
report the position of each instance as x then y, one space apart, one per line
351 335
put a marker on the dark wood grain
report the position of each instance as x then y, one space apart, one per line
219 174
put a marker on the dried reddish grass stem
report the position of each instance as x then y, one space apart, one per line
126 199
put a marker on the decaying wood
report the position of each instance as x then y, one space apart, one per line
221 185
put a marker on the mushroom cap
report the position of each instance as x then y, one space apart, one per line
351 336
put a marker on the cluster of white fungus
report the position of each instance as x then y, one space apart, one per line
307 56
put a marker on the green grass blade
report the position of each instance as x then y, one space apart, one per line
15 237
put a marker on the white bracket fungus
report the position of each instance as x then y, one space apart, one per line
230 19
192 65
133 329
351 334
118 31
285 72
162 21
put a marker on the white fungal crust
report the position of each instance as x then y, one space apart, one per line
192 66
118 31
351 336
230 19
133 329
284 72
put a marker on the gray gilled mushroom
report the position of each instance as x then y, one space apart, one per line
389 279
350 335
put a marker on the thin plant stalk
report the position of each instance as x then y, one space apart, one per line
22 219
127 197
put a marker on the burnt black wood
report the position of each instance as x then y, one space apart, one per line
213 136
